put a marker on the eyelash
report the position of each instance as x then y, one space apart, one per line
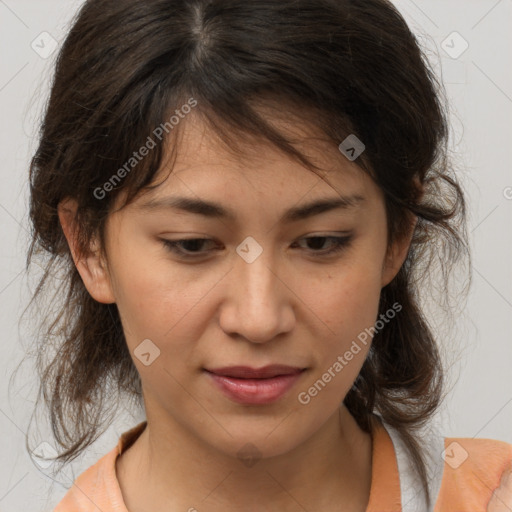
340 244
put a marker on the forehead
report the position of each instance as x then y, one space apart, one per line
203 165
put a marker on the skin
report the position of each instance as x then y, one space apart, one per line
501 500
289 306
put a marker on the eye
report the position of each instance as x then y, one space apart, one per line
337 245
192 243
191 247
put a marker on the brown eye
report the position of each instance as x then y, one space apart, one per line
189 247
338 244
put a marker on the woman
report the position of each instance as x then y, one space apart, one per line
245 198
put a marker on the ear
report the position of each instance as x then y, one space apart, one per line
91 266
397 253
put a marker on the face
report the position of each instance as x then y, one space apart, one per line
271 282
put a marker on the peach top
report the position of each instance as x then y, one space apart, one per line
466 475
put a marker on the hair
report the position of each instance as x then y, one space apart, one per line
349 67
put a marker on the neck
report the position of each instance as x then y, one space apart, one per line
167 465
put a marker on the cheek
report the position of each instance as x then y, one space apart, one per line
347 308
142 291
345 299
160 301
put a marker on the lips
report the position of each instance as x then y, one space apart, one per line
246 372
255 386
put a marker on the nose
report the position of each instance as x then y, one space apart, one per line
260 302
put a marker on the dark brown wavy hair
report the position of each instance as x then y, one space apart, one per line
346 66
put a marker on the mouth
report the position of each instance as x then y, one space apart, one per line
255 386
246 372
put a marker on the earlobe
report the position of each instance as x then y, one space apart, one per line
91 266
397 255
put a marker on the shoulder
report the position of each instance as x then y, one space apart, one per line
475 475
97 488
89 492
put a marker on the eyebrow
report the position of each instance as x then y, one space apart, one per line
215 210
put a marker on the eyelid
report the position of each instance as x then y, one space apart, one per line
341 242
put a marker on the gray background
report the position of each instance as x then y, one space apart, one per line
479 344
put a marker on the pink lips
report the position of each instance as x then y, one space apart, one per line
246 385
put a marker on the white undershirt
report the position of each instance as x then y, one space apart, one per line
411 491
